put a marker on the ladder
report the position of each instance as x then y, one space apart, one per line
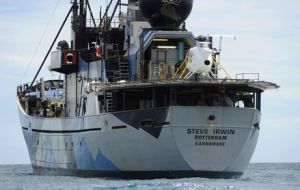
123 70
109 102
156 72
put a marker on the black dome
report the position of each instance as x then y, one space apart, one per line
165 13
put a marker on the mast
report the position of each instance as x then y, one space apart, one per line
79 43
79 39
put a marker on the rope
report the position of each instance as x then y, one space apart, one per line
40 41
45 58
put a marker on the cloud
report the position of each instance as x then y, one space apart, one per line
22 32
245 16
267 36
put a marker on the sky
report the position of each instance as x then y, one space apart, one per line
267 42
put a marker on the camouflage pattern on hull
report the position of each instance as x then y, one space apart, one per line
163 142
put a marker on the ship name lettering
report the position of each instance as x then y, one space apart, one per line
209 143
224 131
197 131
171 2
210 137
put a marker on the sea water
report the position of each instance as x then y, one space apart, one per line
258 176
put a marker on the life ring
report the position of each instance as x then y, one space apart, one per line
70 58
98 51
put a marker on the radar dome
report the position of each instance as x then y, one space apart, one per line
165 13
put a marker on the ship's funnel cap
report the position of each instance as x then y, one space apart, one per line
165 13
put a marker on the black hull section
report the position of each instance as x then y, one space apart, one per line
135 174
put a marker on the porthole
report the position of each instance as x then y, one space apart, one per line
211 117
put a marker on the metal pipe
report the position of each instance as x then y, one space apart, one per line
106 11
91 13
113 13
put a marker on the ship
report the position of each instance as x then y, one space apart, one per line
139 96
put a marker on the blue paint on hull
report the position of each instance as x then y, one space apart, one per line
85 161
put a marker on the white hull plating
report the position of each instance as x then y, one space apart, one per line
190 139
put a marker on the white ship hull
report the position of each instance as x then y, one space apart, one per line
142 97
164 142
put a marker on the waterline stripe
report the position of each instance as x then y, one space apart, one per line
62 131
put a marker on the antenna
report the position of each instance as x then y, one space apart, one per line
221 36
221 39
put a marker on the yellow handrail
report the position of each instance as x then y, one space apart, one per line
182 64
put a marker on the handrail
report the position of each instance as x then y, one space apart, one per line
255 76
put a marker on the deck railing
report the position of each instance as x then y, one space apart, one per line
250 76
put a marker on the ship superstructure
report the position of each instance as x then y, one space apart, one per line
142 97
